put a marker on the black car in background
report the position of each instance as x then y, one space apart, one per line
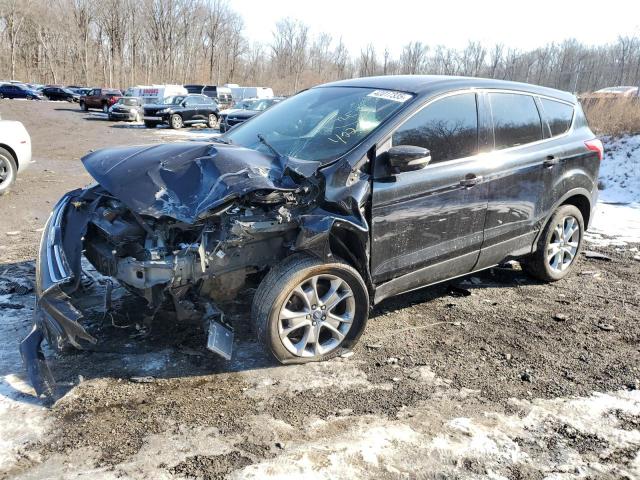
222 95
182 110
127 108
244 110
60 93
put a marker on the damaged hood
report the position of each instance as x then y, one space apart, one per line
186 179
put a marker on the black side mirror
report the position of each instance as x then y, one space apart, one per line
404 158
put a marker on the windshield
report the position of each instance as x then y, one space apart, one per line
131 101
319 124
68 90
174 100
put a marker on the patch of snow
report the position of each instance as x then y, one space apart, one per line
615 224
620 170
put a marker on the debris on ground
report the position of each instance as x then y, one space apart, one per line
559 317
458 291
596 256
607 327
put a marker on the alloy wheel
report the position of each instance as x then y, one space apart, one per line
563 244
316 316
5 170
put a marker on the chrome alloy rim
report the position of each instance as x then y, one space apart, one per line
316 316
563 244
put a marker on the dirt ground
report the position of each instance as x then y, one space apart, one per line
517 380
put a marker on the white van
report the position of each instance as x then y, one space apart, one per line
240 93
155 94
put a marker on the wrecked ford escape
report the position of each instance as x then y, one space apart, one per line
333 200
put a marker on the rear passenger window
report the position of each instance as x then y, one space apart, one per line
516 120
448 128
558 114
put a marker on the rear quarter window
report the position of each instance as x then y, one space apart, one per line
516 120
559 116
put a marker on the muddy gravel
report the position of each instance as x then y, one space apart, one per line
500 376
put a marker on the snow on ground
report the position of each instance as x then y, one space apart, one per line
617 216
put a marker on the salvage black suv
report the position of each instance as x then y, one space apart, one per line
333 200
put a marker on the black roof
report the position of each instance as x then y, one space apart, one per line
433 84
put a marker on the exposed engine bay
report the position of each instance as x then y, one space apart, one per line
183 225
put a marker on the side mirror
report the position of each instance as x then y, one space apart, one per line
404 158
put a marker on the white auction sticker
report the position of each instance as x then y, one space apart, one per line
390 95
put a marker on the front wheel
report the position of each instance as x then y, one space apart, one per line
176 121
8 171
212 121
558 246
306 310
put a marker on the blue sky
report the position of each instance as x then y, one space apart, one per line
394 23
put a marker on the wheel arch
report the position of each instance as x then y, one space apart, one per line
352 246
578 197
12 153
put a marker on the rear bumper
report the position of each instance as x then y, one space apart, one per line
58 270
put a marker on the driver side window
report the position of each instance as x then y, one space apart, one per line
448 128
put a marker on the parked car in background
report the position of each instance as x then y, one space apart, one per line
335 199
183 110
80 90
617 92
244 110
60 93
242 93
15 152
101 98
222 95
16 90
127 108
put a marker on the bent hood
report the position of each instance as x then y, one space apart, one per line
186 179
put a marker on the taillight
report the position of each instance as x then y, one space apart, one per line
595 145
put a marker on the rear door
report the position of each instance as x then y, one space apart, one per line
520 183
429 223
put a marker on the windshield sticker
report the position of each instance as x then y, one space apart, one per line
390 95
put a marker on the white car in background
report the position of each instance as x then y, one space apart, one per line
15 152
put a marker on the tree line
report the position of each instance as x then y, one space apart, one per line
119 43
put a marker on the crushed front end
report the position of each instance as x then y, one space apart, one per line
158 247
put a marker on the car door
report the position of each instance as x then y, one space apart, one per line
190 110
93 100
427 225
520 183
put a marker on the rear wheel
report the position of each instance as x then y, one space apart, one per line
176 121
306 310
105 108
558 246
212 121
83 106
8 171
138 117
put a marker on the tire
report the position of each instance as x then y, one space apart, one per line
150 124
1 96
212 121
176 121
138 117
105 108
541 264
83 106
277 290
29 97
8 171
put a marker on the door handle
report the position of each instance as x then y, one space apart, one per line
470 180
550 161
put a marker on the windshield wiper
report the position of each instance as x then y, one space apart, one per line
269 146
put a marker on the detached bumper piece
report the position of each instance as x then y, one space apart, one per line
58 271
